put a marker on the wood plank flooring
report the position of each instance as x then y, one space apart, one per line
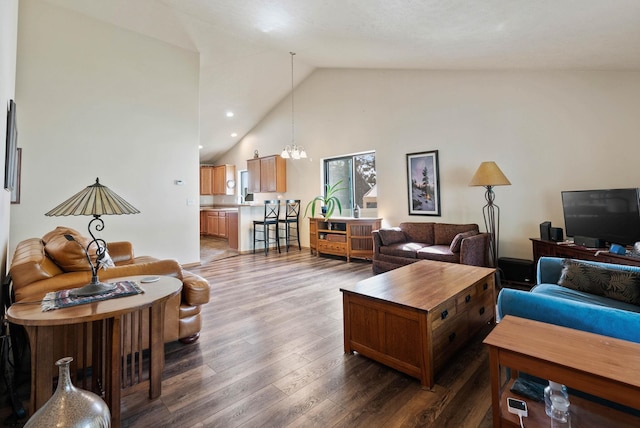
271 355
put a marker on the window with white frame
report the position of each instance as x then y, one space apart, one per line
357 176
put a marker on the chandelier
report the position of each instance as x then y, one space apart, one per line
293 151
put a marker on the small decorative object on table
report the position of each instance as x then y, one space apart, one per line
70 406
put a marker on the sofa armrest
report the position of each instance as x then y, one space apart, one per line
37 290
549 270
195 289
474 250
121 252
377 242
593 318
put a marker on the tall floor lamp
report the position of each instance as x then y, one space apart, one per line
489 175
94 200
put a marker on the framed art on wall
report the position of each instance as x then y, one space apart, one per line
11 149
15 193
423 183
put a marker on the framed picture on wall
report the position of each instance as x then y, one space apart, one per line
423 183
15 193
11 149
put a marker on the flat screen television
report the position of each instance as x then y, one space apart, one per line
612 215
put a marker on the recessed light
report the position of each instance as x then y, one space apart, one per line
230 114
200 146
234 134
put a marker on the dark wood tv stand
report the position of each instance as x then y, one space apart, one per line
569 250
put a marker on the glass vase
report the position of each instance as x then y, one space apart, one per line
70 406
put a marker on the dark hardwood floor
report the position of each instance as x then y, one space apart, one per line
271 355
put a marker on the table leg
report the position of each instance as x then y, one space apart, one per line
97 351
427 366
41 342
156 339
347 323
113 367
494 364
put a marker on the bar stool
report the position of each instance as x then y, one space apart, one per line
292 214
271 217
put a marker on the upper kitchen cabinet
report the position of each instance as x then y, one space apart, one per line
224 180
206 180
217 180
267 174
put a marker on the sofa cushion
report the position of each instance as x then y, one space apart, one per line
60 231
439 253
392 236
612 283
68 255
457 240
406 249
418 232
444 232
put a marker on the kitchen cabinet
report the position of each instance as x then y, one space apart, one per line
217 180
214 222
253 174
206 180
203 223
267 174
224 180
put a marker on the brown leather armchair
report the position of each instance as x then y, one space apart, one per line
53 263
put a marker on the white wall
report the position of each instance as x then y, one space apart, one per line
548 132
95 100
8 46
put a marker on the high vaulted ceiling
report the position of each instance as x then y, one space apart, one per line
244 45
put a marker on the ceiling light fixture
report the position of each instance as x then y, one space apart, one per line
293 151
234 134
230 114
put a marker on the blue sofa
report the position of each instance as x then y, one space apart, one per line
554 304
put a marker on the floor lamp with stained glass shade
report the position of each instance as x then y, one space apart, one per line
488 176
95 200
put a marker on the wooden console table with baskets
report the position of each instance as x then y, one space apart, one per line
343 236
599 365
107 320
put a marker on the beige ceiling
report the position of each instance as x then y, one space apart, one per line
244 45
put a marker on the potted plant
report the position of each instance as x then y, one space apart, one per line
329 201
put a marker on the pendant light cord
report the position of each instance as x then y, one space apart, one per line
292 122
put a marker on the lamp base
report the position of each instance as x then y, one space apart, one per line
92 289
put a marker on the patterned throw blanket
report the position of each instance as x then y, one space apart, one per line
62 299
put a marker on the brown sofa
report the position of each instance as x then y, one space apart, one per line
414 241
53 263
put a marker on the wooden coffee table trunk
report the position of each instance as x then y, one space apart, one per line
415 317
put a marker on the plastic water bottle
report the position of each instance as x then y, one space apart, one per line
560 415
554 388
